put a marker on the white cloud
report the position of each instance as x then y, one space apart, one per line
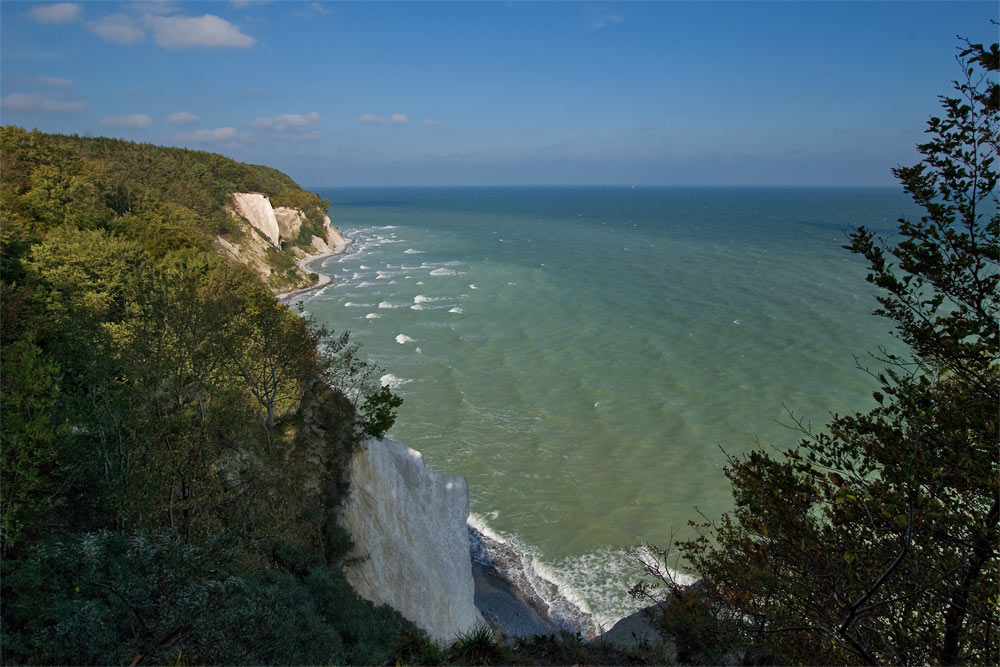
61 12
54 81
288 121
224 136
132 120
291 126
147 7
117 28
432 123
397 118
322 9
182 118
40 102
188 32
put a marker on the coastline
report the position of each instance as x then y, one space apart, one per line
513 598
322 281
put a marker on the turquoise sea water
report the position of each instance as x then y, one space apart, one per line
584 355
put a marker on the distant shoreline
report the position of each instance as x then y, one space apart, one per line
322 281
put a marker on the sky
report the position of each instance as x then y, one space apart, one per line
499 93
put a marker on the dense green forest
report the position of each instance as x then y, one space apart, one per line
161 498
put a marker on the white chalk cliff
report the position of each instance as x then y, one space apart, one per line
408 524
276 225
256 209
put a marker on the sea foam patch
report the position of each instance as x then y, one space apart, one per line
403 339
393 382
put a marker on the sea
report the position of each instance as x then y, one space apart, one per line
590 357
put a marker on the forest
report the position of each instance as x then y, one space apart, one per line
161 500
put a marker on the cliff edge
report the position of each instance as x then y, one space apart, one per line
408 524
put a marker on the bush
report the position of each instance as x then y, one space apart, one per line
103 598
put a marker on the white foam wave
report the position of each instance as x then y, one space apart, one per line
473 287
411 251
416 306
585 593
403 339
478 522
386 304
444 272
351 304
393 382
456 309
372 316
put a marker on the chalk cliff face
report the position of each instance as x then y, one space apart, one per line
408 524
334 239
279 228
256 208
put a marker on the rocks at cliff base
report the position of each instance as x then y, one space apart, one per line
408 524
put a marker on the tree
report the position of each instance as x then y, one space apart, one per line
877 540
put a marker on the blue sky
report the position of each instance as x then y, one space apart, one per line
477 93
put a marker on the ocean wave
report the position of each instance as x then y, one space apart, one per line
456 309
519 564
392 381
411 251
403 339
583 594
444 272
372 316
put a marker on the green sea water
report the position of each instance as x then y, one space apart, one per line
587 357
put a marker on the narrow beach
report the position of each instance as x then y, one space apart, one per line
322 281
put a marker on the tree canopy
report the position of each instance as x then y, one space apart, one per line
159 498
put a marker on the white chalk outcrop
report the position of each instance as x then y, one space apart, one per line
289 221
276 225
256 209
408 524
334 239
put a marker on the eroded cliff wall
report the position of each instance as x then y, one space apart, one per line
256 209
408 524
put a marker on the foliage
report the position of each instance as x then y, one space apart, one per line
877 541
378 412
104 598
160 496
478 646
415 648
